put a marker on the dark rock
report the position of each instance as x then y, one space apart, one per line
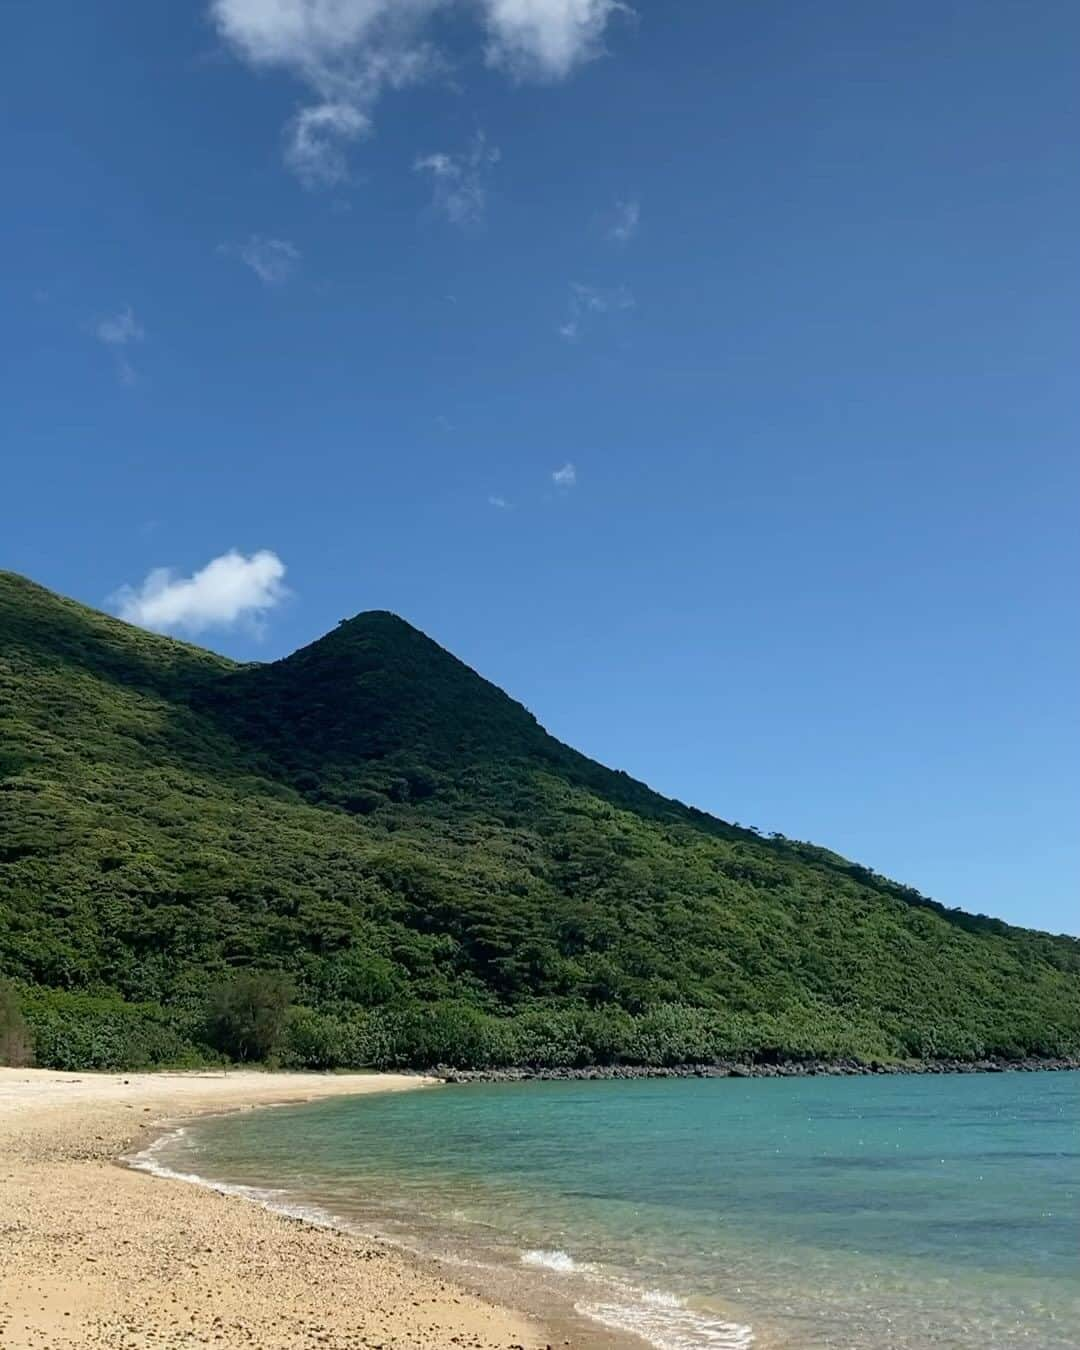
749 1069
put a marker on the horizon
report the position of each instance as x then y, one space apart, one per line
700 375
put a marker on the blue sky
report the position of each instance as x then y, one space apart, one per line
702 374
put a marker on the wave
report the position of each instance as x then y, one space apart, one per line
562 1262
653 1315
659 1318
668 1324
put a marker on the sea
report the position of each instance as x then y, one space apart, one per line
866 1213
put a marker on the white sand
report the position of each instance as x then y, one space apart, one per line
92 1254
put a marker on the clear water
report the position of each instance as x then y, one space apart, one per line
843 1212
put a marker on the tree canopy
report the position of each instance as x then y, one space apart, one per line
435 875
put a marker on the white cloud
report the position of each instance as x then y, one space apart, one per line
546 39
347 53
272 260
566 477
230 589
588 301
316 138
500 503
459 181
119 329
116 331
627 219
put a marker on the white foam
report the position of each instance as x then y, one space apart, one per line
667 1323
562 1262
661 1299
653 1315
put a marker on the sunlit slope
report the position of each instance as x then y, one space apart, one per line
374 817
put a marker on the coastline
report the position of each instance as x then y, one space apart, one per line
98 1248
738 1068
93 1253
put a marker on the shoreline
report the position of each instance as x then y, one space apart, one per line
736 1068
97 1252
580 1304
99 1248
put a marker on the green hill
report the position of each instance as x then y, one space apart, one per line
441 879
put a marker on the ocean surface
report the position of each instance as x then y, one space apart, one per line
864 1213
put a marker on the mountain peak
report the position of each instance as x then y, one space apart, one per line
375 620
373 817
376 687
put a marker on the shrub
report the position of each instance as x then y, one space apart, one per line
673 1034
551 1039
440 1033
246 1015
315 1041
84 1031
16 1047
359 977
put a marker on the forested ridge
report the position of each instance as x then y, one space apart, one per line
425 876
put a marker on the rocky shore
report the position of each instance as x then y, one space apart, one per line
811 1068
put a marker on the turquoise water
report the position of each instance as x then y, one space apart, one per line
842 1212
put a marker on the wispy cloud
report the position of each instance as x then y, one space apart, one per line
586 302
272 260
460 181
347 53
231 589
316 140
566 477
118 331
500 503
546 39
626 221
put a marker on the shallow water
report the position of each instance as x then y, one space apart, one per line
890 1213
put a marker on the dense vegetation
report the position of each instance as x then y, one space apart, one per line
431 877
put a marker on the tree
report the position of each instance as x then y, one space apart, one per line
16 1048
246 1015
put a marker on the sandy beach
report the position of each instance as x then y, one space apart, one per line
95 1254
